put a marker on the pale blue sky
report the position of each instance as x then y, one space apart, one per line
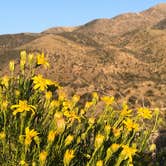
37 15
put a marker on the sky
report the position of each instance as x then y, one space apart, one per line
18 16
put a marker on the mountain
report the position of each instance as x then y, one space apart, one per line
58 30
124 56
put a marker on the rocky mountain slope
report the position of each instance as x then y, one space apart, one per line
124 56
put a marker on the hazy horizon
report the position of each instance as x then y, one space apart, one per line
35 16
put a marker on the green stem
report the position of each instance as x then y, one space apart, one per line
155 124
23 115
90 161
119 161
4 114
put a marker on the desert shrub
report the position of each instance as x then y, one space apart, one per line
40 125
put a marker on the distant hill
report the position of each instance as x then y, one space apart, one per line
124 56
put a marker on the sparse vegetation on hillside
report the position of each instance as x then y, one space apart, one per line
40 125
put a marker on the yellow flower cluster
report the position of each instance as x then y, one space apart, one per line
29 135
41 60
41 83
128 152
22 106
48 127
131 125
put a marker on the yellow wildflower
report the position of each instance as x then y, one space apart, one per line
23 55
22 106
59 122
41 60
29 135
58 115
95 97
99 163
61 95
107 129
4 105
125 111
33 163
28 141
11 66
99 139
22 162
88 156
2 135
91 121
114 147
21 139
82 112
67 105
17 93
88 104
128 152
68 156
116 132
83 136
5 81
71 115
75 98
108 100
43 156
54 104
69 139
51 136
152 147
41 83
124 105
130 125
78 140
48 95
144 113
30 58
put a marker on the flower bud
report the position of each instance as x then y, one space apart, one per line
68 156
22 60
48 95
51 136
30 59
152 148
99 163
69 139
59 122
2 135
107 129
91 121
43 156
99 139
11 66
21 139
